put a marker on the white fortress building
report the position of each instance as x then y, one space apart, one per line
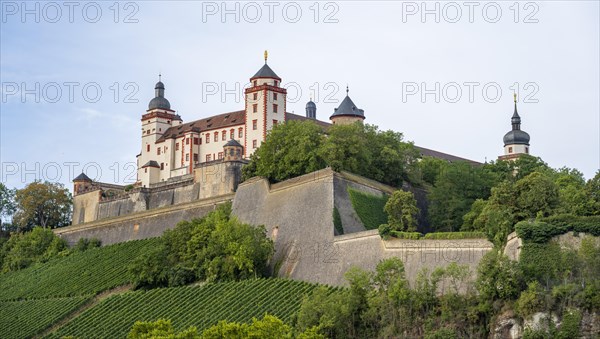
171 148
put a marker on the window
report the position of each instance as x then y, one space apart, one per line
276 83
232 134
147 148
148 132
195 157
220 155
177 146
254 108
275 108
510 150
187 141
207 138
223 135
255 96
196 141
274 96
208 158
274 122
254 143
255 83
187 157
255 124
162 166
216 136
527 150
158 151
240 132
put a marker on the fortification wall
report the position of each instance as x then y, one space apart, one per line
298 215
140 225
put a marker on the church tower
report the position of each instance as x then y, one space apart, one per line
311 110
265 106
347 112
516 141
157 119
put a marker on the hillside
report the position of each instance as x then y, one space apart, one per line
200 306
79 274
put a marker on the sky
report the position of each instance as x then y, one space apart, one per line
76 77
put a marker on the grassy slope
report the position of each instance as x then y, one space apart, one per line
200 306
86 273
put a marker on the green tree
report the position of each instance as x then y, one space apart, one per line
24 249
498 277
592 188
42 204
290 150
402 211
160 329
346 148
455 190
7 203
430 168
536 195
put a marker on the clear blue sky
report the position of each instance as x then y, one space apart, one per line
387 53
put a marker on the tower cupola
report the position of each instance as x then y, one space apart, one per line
516 141
159 100
347 112
311 110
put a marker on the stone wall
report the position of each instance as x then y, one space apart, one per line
298 215
140 225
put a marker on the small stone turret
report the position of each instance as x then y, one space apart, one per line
233 151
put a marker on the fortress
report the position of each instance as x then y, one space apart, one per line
186 169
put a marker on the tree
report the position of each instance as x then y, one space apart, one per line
536 195
7 203
160 329
42 204
430 168
498 278
290 150
592 188
346 148
24 249
455 190
402 211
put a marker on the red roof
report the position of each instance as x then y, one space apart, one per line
206 124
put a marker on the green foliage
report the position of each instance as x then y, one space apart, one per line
531 300
26 318
369 208
267 327
402 211
24 249
442 333
498 277
542 262
42 204
456 187
214 248
536 194
430 168
454 235
405 235
7 203
160 329
297 148
198 306
290 150
544 230
569 327
83 244
337 221
84 273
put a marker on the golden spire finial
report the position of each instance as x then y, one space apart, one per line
266 56
515 96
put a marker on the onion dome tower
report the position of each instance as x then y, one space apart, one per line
311 110
516 141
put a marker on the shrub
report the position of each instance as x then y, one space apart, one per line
406 235
543 230
455 235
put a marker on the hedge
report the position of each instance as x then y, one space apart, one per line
543 230
455 235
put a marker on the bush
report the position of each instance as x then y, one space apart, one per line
84 244
406 235
543 230
25 249
455 235
369 208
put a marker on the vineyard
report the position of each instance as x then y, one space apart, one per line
25 318
200 306
79 274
